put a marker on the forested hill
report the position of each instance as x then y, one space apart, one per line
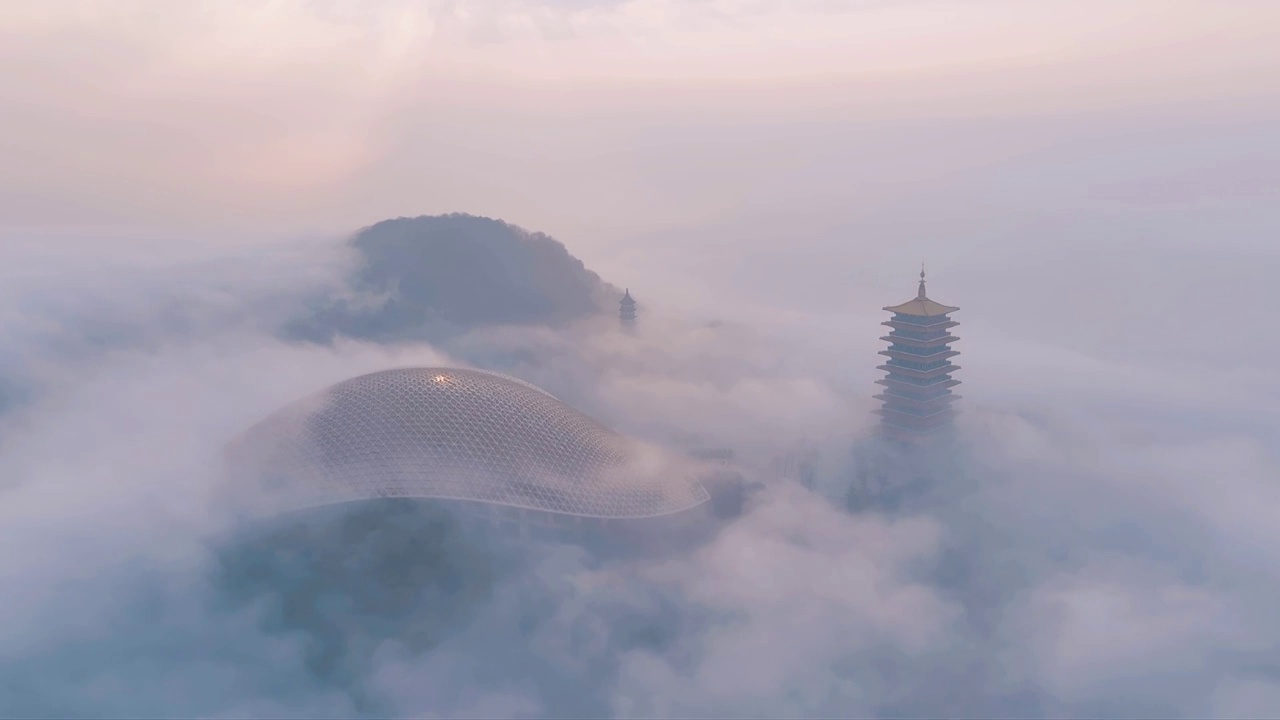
439 273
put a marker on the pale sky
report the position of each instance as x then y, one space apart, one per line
571 116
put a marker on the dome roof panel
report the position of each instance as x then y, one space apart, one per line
456 434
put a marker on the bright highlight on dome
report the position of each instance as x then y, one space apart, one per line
465 435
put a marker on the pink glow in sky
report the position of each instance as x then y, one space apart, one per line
576 116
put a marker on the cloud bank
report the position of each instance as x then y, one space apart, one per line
1101 547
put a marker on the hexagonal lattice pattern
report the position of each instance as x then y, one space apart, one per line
456 434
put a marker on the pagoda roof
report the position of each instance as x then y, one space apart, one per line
921 305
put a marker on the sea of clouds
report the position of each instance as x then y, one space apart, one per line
1104 545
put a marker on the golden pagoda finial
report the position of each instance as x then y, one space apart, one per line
920 294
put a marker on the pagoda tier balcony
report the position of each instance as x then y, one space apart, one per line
917 392
926 415
909 426
908 362
936 401
908 385
920 332
929 354
920 324
912 418
917 397
910 435
921 320
899 339
914 374
912 422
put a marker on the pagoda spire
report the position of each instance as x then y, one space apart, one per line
917 398
627 311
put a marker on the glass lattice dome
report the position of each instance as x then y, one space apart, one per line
456 434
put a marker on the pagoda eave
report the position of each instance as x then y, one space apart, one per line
916 429
917 342
896 383
942 324
910 436
939 415
921 307
942 354
942 399
921 374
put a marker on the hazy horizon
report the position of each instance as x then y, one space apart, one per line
661 141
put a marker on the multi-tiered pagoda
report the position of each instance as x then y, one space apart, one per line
627 311
916 401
